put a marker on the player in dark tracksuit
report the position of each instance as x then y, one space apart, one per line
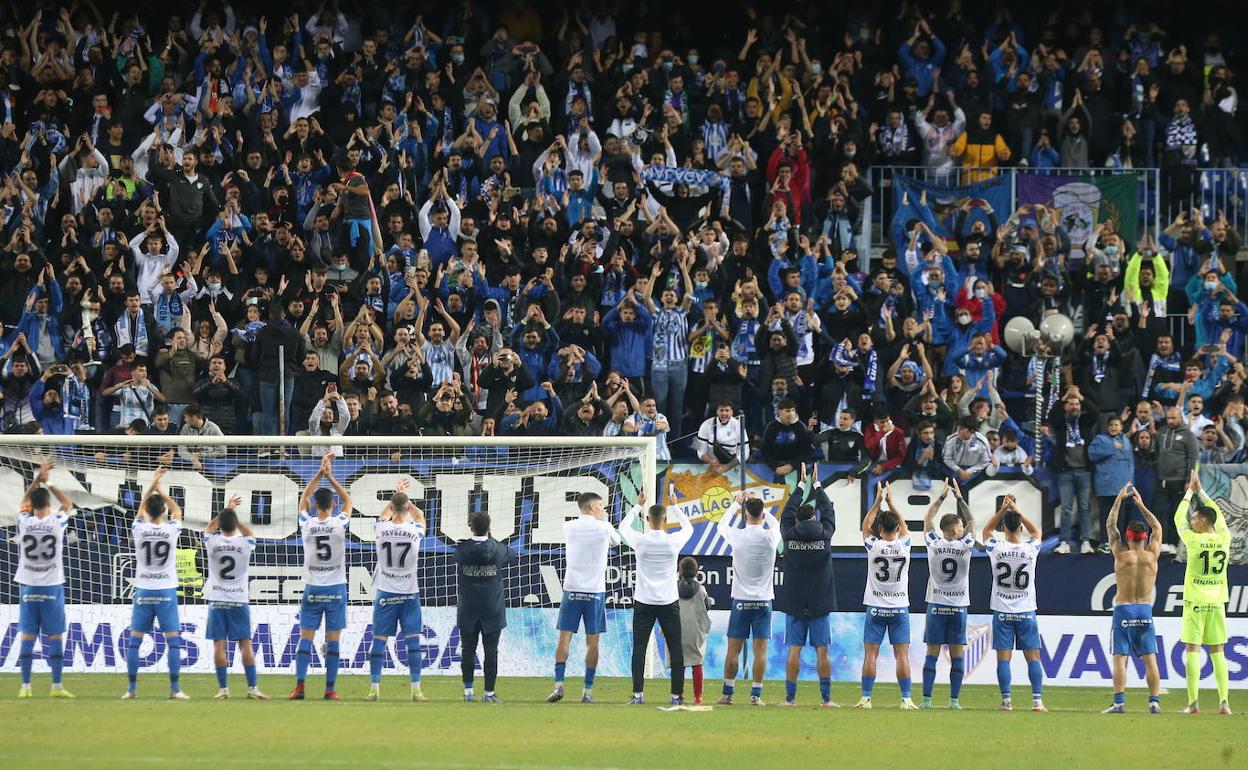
480 612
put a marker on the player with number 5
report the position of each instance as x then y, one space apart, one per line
324 575
1013 562
155 532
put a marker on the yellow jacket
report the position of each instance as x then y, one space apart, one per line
980 160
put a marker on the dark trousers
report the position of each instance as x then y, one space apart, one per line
468 662
1165 500
668 616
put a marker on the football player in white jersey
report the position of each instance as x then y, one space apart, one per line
948 591
1013 560
155 532
41 575
399 530
589 536
228 545
887 595
324 534
754 550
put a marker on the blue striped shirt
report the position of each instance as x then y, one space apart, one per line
671 337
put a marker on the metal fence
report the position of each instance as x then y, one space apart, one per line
878 212
1212 190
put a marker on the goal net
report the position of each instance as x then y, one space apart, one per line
528 487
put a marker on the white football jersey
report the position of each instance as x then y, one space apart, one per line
155 554
888 572
588 540
949 570
228 557
753 555
40 549
324 549
1013 574
398 546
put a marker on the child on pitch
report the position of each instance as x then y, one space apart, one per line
695 621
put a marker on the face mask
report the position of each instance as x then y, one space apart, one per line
850 153
667 66
626 67
457 58
693 58
699 284
1211 285
214 287
964 320
1111 251
981 293
816 68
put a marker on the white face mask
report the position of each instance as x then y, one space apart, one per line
981 293
1211 285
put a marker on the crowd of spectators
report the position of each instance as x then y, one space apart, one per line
518 218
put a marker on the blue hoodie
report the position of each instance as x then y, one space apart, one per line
630 342
1112 466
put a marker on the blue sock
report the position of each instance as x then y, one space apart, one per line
56 658
957 669
589 677
303 659
222 676
414 658
173 654
756 689
868 684
929 675
26 656
1120 699
905 687
729 688
332 661
1035 672
250 672
1003 677
790 689
825 687
560 668
1154 699
132 661
376 659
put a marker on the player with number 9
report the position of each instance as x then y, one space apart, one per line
948 591
155 532
1013 562
1208 540
228 545
324 575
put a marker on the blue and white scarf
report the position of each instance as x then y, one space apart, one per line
685 176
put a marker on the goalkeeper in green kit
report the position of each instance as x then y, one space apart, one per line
1208 540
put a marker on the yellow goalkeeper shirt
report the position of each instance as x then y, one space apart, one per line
1208 555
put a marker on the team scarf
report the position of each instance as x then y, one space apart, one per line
1180 131
247 332
168 310
685 176
1168 363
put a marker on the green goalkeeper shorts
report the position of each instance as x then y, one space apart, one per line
1203 624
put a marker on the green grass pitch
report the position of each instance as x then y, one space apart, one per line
524 733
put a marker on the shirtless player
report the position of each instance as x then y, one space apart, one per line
1135 567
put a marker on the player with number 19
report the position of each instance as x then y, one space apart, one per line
155 532
324 575
948 591
887 595
41 575
228 545
1013 561
399 530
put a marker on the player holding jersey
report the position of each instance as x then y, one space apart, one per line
589 536
948 591
228 545
155 532
1135 571
41 575
887 596
399 529
754 550
1208 542
1013 561
324 535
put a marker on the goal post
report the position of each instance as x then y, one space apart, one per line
527 485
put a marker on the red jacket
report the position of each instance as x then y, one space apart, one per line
800 181
966 301
894 446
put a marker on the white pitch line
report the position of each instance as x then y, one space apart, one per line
323 762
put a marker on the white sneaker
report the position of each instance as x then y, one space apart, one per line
908 705
1168 549
179 695
863 703
1086 548
1116 708
1038 705
374 693
130 695
1062 548
222 694
253 693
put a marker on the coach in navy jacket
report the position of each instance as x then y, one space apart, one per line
480 611
809 587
